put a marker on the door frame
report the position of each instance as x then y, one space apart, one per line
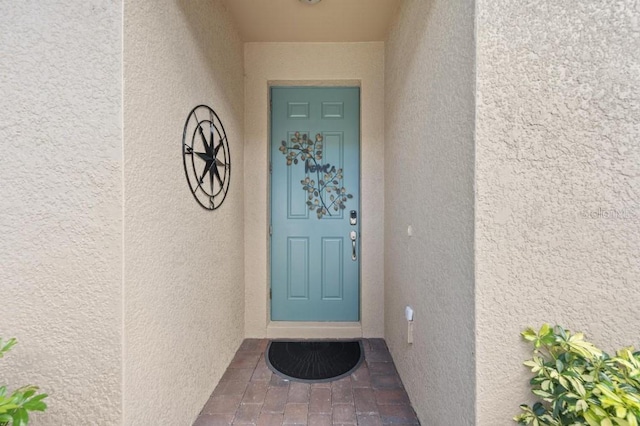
312 329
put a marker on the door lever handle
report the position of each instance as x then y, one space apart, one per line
354 236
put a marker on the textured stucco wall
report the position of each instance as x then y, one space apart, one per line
61 205
558 182
429 111
319 62
184 270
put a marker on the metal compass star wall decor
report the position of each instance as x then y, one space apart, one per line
206 157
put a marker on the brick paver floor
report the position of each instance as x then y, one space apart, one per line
250 394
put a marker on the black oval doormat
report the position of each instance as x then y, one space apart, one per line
314 361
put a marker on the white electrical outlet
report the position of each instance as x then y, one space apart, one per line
408 314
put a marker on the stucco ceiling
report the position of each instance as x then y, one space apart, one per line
327 21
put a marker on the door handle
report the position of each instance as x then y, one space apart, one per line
354 236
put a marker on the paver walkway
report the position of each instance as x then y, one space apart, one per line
250 394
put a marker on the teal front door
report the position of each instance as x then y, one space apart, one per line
315 201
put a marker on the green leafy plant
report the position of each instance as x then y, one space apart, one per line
579 384
15 407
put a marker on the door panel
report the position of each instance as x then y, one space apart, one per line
332 268
315 183
297 268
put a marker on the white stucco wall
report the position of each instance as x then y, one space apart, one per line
61 205
184 266
322 63
558 183
429 121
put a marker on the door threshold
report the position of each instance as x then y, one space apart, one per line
313 330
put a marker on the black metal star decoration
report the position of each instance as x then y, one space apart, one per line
205 153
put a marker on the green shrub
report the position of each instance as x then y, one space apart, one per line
578 384
15 407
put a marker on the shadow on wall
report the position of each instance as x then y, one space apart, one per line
418 19
429 125
198 23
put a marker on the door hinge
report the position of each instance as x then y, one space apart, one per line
270 295
270 230
270 167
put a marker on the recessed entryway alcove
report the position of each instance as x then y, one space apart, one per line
314 64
